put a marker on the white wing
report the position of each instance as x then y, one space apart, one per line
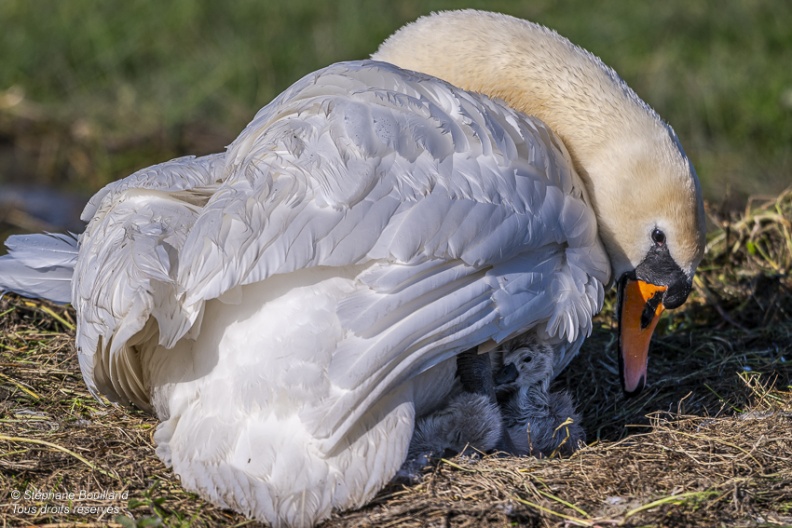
476 207
125 272
39 266
368 225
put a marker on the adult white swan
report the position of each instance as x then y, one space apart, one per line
287 307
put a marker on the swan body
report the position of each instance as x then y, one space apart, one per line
288 308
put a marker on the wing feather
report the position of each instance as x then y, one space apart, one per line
467 218
39 266
469 210
126 269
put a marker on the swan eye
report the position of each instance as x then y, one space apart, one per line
658 237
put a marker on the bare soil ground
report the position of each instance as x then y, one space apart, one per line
708 444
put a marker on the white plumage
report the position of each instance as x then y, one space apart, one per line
42 266
287 308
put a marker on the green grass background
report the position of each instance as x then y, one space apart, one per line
92 90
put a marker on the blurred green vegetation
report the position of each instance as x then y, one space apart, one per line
91 90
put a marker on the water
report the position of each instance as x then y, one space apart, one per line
41 208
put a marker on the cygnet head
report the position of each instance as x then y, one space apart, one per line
525 366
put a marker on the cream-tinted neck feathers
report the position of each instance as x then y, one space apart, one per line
636 173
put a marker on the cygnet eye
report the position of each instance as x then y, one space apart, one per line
527 359
658 237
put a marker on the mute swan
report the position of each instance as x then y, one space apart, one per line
288 307
538 422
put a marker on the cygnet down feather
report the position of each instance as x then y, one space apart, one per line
538 422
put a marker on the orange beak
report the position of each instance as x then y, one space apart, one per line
640 307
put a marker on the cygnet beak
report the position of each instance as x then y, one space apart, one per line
506 374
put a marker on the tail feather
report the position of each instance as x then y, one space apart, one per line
40 266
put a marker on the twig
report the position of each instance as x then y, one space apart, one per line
19 385
672 499
574 520
702 289
58 448
49 311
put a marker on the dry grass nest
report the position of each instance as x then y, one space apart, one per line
708 444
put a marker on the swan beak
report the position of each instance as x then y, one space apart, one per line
639 310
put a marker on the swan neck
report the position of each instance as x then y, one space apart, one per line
534 70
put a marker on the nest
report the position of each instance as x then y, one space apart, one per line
708 443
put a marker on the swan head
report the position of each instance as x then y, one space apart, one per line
641 185
653 230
